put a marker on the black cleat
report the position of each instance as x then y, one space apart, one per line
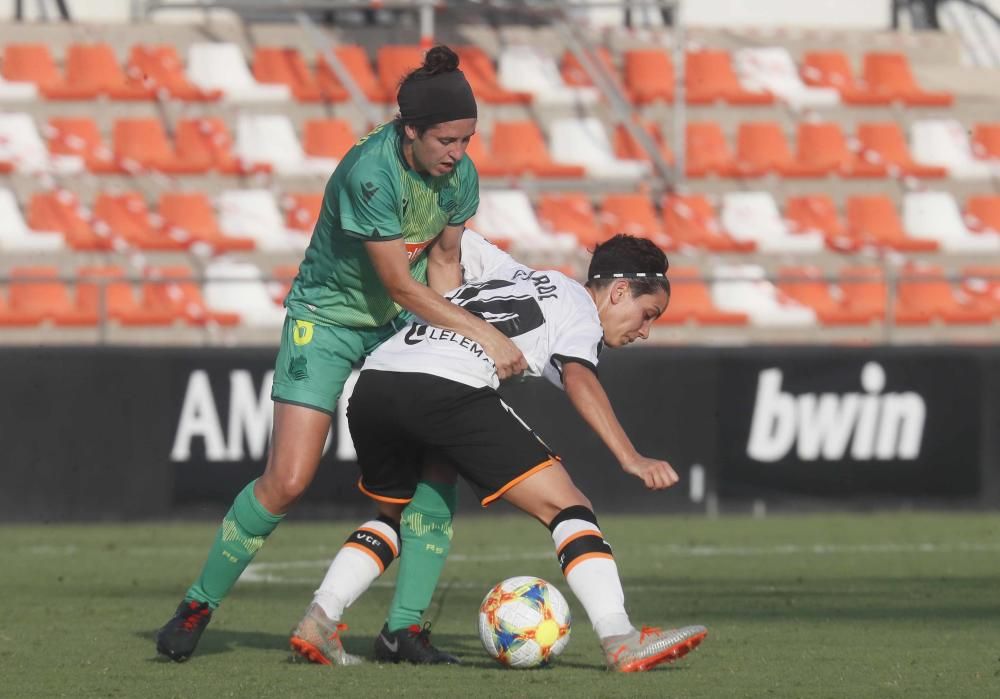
412 645
179 637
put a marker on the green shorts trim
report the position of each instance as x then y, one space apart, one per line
314 361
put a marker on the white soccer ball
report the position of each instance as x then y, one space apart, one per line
524 622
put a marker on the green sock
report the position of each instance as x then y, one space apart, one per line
426 532
240 536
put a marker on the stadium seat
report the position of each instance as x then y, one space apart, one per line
706 151
283 275
189 217
125 218
237 287
817 213
822 146
771 69
575 75
62 211
890 74
935 216
626 147
634 214
584 142
924 294
38 291
519 148
355 61
270 139
21 147
986 143
327 140
884 143
945 143
709 77
394 62
761 149
691 302
571 213
221 66
302 211
94 69
745 289
172 290
16 236
649 76
864 291
832 69
104 292
282 65
75 144
206 143
142 145
10 317
872 220
982 286
530 69
160 67
506 217
32 63
690 221
253 213
486 165
754 216
482 76
982 213
16 90
806 285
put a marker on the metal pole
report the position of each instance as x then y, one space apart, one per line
427 23
680 104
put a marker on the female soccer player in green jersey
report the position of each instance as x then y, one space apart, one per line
386 244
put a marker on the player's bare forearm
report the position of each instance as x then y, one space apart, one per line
444 269
590 400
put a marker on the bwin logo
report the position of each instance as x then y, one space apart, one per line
877 426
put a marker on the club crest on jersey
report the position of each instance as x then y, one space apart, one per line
446 200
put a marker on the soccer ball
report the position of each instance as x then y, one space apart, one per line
524 622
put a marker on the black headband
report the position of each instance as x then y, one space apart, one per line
435 99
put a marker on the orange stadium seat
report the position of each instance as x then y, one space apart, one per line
189 217
982 285
95 68
986 141
706 151
282 65
80 137
13 318
890 74
884 143
982 213
159 66
822 146
816 212
284 275
206 144
805 284
628 148
482 76
864 291
709 77
328 138
39 291
634 214
649 75
574 74
832 69
690 220
61 211
486 164
519 148
690 301
873 220
33 63
356 63
571 213
761 148
302 211
924 294
393 63
142 144
119 302
126 217
172 289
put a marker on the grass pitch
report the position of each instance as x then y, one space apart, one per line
797 606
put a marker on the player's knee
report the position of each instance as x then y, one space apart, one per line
281 490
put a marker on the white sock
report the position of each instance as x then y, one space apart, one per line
593 576
365 555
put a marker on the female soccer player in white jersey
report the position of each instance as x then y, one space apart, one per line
431 393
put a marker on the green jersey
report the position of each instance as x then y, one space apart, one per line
374 195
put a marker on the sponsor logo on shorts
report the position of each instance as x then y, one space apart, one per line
303 332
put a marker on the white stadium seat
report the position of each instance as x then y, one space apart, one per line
17 92
744 289
584 142
254 213
237 287
15 236
221 66
21 145
772 69
945 142
754 216
936 216
271 139
506 215
529 69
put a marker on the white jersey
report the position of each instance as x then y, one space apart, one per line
550 317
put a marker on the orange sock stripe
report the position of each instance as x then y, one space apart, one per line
382 498
381 536
528 474
574 537
585 557
359 547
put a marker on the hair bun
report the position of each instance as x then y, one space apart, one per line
440 59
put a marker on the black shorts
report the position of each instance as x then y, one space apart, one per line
399 420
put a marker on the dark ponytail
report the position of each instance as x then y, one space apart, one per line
439 59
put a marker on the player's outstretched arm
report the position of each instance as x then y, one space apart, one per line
588 397
389 259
